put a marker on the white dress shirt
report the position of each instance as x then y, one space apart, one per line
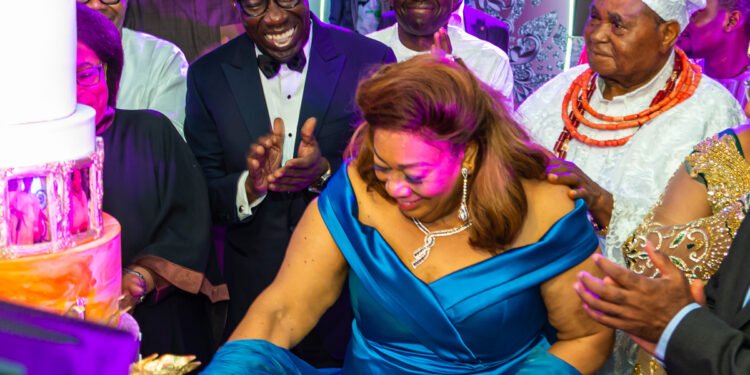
283 93
636 173
154 76
488 62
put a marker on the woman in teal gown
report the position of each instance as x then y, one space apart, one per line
439 166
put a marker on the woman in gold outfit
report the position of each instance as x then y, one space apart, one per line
697 217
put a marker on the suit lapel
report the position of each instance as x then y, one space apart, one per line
728 287
323 72
244 80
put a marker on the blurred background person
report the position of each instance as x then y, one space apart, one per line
195 26
153 186
361 16
467 18
720 35
423 26
154 71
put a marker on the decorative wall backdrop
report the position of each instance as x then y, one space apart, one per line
538 39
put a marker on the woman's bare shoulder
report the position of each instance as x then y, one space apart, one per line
369 201
359 185
547 203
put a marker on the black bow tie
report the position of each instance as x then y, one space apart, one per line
270 67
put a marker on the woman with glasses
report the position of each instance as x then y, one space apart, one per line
152 185
154 73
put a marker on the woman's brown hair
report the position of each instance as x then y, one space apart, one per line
442 100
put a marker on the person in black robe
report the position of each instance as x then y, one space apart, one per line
154 187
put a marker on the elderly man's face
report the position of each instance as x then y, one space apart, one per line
115 12
422 17
624 41
704 35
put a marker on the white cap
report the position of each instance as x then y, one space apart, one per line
676 10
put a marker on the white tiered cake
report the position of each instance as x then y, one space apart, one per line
58 251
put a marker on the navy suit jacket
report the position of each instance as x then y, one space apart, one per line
478 23
715 339
226 112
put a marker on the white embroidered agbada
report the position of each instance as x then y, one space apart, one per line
637 172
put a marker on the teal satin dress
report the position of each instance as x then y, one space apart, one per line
488 318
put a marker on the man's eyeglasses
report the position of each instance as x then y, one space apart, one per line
105 2
89 75
256 8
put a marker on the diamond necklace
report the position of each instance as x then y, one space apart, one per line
421 254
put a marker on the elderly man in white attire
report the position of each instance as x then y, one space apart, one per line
621 125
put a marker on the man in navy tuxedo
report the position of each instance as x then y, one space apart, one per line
471 20
690 329
247 102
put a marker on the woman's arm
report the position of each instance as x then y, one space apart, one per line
699 213
582 342
308 283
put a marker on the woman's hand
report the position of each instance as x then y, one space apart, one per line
135 287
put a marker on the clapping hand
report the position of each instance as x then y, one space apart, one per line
301 172
637 304
598 200
263 158
264 162
442 43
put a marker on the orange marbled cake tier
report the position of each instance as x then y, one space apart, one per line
81 281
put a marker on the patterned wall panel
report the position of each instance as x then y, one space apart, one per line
538 39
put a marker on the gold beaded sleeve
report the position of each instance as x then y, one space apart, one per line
699 246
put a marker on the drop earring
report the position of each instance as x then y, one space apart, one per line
463 209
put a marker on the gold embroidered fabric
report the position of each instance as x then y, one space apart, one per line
697 247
